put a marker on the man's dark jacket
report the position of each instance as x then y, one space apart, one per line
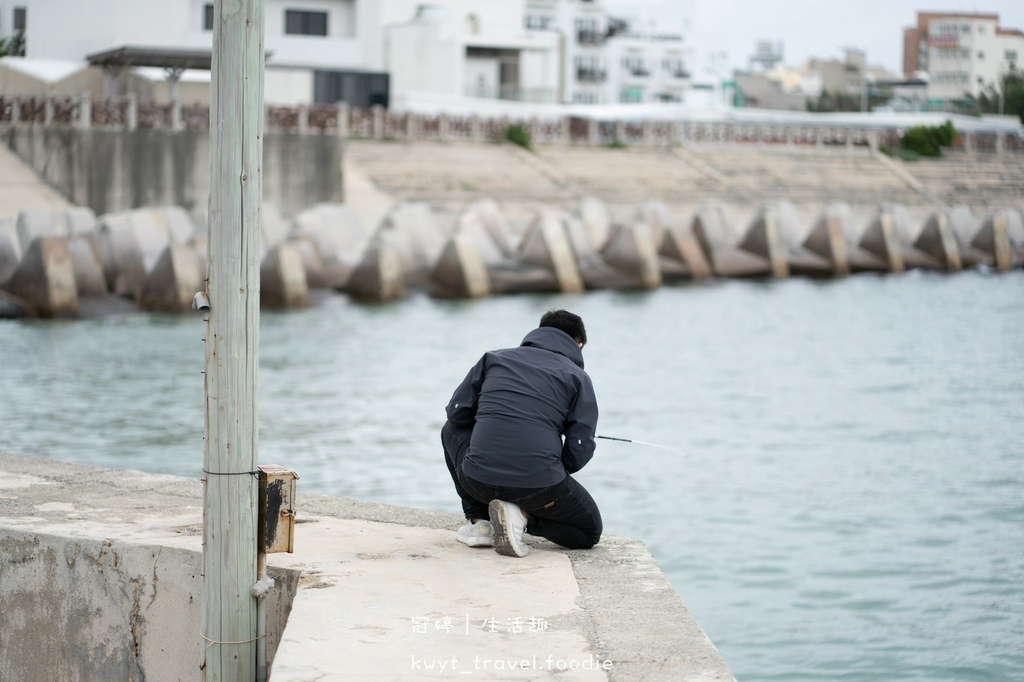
520 402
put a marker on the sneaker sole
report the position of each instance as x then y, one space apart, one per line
504 542
477 542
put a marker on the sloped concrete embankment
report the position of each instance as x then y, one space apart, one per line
100 579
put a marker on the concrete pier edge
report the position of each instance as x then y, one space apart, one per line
627 613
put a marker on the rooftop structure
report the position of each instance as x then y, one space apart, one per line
962 53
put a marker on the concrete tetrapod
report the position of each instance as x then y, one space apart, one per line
546 245
1001 237
412 231
378 277
45 279
833 237
774 234
940 241
173 281
888 237
283 279
596 273
630 249
10 248
596 219
460 271
713 231
679 254
339 239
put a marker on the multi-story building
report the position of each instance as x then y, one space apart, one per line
963 54
370 52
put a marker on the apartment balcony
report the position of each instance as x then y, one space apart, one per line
586 75
681 74
638 71
514 93
590 37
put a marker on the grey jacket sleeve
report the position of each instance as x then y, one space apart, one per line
461 409
580 427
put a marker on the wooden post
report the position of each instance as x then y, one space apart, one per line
229 627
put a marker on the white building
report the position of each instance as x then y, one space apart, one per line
456 50
609 60
963 54
370 52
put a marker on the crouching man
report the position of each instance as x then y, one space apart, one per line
519 425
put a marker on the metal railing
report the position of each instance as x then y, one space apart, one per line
126 113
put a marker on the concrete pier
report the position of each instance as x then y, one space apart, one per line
100 579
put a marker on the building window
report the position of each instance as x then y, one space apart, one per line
1011 55
20 19
305 23
981 55
208 16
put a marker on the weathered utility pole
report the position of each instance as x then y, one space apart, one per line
228 634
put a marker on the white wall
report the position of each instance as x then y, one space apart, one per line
287 87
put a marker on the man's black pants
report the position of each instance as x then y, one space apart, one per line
564 513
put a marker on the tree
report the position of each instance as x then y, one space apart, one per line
1012 95
13 46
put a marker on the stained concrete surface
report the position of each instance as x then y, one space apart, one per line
380 591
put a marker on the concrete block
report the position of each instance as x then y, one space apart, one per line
680 248
378 276
546 245
81 220
473 226
312 264
40 223
496 224
1001 237
10 248
173 282
630 249
121 255
283 279
339 237
45 279
596 219
939 240
713 230
89 277
460 271
413 231
273 228
888 237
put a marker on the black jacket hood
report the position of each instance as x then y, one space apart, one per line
556 341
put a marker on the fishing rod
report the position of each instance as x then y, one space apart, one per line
643 442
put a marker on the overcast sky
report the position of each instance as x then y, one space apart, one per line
807 28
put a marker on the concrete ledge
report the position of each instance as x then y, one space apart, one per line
99 575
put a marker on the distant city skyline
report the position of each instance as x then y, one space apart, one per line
806 28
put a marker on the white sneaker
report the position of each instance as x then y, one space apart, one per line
476 534
509 523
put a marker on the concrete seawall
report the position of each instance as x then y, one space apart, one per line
113 170
100 579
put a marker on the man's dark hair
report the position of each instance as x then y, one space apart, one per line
569 323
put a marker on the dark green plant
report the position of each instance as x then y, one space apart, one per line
518 134
617 144
13 46
898 153
929 140
1012 95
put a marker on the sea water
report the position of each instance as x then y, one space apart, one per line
849 498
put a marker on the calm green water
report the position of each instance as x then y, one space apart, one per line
851 502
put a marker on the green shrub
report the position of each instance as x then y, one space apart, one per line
617 144
899 153
518 134
929 140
